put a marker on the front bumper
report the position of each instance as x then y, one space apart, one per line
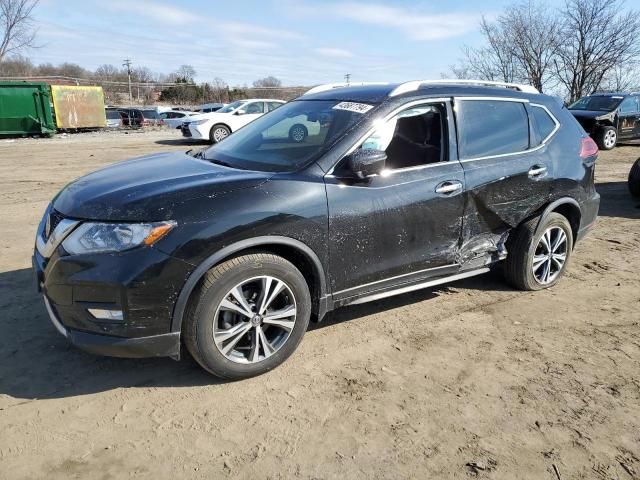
143 284
163 345
197 132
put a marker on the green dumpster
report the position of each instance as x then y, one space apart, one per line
25 109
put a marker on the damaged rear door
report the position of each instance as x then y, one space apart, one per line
506 179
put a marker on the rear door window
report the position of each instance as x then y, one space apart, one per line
491 127
629 105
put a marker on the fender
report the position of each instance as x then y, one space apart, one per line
555 204
220 255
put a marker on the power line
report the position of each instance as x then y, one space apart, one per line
127 63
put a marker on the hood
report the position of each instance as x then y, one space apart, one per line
594 114
151 188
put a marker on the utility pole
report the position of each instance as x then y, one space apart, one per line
127 63
347 77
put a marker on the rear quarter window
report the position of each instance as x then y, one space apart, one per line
543 124
492 127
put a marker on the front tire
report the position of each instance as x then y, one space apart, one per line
248 316
298 133
607 138
634 179
538 255
219 133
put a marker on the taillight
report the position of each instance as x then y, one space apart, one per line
588 148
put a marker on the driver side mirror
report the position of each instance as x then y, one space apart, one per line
366 162
241 112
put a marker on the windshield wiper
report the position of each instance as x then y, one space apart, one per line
220 162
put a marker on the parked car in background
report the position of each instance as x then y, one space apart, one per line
175 118
208 107
609 117
216 126
136 117
114 118
634 179
233 250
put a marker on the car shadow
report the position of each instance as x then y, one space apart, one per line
616 201
37 362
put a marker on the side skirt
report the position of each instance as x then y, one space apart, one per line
417 286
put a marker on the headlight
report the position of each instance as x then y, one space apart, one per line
114 237
199 122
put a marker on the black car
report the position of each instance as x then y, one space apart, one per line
634 179
136 117
234 249
609 117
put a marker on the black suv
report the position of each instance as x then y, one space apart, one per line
395 188
609 117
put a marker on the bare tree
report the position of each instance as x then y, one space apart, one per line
597 37
267 87
532 34
268 82
520 46
495 61
17 31
17 66
186 74
622 78
219 90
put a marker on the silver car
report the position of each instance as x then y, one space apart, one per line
114 119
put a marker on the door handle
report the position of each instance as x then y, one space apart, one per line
537 171
449 187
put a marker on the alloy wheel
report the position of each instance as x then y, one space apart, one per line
550 255
254 320
297 134
220 134
610 138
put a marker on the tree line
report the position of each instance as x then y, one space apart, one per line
178 87
572 51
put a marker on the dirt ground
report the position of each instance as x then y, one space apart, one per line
470 379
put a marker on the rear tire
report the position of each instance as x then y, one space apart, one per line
634 179
607 138
236 337
530 264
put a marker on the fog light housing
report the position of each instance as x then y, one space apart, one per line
104 314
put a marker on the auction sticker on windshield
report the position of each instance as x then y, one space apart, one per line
353 107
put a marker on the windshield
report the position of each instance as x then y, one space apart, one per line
289 137
231 107
601 103
113 115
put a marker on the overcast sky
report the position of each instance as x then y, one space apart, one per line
302 42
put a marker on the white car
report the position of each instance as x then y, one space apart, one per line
216 126
175 118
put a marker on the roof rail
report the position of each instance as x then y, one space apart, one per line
331 86
416 84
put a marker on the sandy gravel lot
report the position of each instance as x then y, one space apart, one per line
471 379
